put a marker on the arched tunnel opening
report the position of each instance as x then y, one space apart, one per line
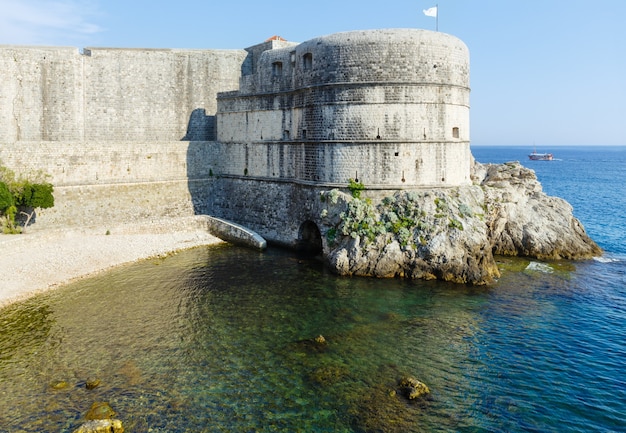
309 239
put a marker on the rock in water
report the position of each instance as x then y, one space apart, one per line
451 234
101 426
92 383
100 410
59 384
318 344
427 234
320 339
524 221
412 388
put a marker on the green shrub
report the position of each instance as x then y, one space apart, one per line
6 198
360 220
36 195
355 188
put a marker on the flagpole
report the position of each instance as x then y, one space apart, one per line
437 18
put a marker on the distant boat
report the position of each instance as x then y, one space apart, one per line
534 156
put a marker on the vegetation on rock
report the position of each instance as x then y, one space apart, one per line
416 234
451 234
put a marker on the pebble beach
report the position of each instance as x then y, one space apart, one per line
42 259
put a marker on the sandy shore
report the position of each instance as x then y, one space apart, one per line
40 260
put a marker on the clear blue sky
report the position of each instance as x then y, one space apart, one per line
549 72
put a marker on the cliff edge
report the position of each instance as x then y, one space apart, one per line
452 234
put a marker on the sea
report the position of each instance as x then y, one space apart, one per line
226 339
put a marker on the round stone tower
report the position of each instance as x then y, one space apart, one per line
389 108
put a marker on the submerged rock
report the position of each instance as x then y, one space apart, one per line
320 339
318 344
328 375
451 234
59 384
100 410
412 388
101 426
92 383
380 410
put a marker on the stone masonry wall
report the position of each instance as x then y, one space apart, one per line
124 133
387 107
59 94
277 215
379 165
100 182
41 95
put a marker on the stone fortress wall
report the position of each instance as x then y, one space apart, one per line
250 135
102 94
124 133
388 107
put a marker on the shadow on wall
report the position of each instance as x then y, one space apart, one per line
200 127
201 134
200 175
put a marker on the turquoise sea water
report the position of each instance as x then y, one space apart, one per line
221 339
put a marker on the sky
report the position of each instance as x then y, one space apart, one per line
544 73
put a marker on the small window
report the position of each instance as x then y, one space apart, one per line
455 132
304 133
307 61
286 134
277 69
293 58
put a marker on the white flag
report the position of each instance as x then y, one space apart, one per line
431 12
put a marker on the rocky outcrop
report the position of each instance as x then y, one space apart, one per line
451 234
524 221
429 234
